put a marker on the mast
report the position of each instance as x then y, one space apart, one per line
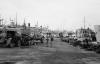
16 19
24 24
37 23
84 22
1 21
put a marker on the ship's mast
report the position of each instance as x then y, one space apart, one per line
37 23
16 19
1 21
84 22
24 25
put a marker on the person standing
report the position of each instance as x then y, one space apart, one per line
52 39
47 39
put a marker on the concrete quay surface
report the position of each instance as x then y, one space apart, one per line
58 53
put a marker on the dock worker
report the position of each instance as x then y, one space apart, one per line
47 39
52 39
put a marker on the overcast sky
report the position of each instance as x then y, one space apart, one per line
57 14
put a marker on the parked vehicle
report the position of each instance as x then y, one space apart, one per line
10 37
38 39
85 36
97 45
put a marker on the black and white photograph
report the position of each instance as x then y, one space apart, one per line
49 31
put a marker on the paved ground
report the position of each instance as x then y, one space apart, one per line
59 53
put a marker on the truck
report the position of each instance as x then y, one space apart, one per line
15 37
85 37
9 37
38 39
97 42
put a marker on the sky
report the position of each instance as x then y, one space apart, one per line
57 14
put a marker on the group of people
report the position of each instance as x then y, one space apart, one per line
49 39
